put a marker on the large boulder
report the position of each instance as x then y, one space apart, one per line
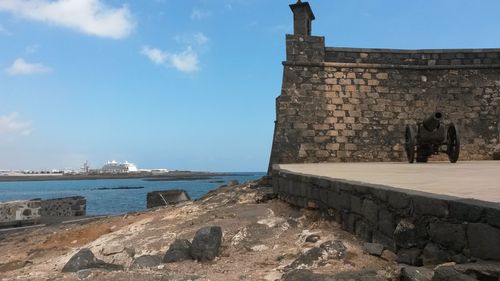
166 197
85 259
206 243
178 251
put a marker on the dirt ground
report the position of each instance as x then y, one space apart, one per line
260 240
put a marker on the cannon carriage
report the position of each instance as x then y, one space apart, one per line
431 137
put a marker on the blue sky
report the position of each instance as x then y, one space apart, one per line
182 84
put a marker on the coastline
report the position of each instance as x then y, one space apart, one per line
172 176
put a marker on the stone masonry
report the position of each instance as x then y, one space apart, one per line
347 104
422 228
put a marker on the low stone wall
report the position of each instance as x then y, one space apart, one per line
421 228
17 213
64 207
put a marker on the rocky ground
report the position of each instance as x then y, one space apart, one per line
262 239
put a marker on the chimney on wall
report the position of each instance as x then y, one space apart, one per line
302 18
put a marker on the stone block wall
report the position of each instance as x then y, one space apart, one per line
64 207
421 228
344 105
31 211
14 212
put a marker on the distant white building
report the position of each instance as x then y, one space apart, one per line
113 167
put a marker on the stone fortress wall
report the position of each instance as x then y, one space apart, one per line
347 104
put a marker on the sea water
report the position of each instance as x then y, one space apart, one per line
112 201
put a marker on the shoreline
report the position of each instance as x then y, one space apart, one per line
173 176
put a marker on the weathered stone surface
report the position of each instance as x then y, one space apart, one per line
412 273
373 249
166 197
335 249
496 153
85 259
398 200
386 222
484 241
465 211
363 230
480 270
206 243
370 211
309 259
179 250
425 205
363 275
448 273
493 216
405 234
449 235
433 255
383 239
410 256
303 275
146 261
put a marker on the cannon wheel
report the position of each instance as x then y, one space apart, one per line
410 143
453 148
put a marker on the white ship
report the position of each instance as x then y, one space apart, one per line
113 167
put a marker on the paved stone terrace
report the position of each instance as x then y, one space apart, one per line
472 180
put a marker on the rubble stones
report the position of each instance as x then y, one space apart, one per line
373 249
206 243
410 256
433 255
313 238
309 259
85 259
315 256
335 249
179 250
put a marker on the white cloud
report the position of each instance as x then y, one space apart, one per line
190 39
200 38
87 16
157 56
199 14
12 124
186 61
21 67
4 31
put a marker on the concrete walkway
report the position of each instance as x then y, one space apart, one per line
477 179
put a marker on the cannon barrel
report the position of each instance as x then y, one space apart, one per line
432 123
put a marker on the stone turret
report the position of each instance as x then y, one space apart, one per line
302 18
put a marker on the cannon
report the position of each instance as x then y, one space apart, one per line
431 137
